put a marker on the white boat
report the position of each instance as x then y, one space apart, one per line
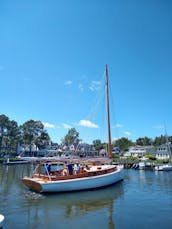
141 165
165 167
87 177
1 221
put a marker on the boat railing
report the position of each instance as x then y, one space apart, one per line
53 176
47 172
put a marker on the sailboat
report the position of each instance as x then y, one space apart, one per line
87 177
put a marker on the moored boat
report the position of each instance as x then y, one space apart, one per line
15 162
84 178
92 177
165 167
141 165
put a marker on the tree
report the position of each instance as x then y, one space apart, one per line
9 135
122 143
43 140
97 144
170 139
160 140
72 137
4 122
144 141
31 132
13 135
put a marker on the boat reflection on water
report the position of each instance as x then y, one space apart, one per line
80 202
103 199
73 207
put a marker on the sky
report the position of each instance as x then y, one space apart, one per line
52 66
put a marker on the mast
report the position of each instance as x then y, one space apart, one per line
108 115
167 142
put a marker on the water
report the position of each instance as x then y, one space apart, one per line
142 200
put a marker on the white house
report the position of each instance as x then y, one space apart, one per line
138 151
164 151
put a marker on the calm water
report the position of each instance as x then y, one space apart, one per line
142 200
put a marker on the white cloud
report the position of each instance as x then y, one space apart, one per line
118 125
66 126
81 88
127 133
87 123
68 82
95 85
48 125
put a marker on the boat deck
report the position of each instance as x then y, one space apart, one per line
92 171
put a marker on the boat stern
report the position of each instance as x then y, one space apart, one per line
32 184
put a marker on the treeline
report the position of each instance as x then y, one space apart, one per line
33 132
124 143
11 135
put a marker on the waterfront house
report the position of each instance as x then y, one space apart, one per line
138 151
164 151
27 150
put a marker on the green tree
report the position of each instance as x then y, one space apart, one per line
123 143
160 140
14 136
97 145
4 123
145 141
72 137
9 135
31 132
43 140
170 139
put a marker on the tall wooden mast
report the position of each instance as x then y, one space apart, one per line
108 115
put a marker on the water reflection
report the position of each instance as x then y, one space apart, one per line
74 205
79 202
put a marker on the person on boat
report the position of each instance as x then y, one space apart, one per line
49 168
82 169
78 168
65 172
70 169
75 168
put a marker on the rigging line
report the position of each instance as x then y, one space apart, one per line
91 115
167 141
113 114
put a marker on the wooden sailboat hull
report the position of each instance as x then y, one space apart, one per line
77 184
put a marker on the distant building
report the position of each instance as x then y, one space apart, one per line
27 150
138 151
164 151
103 152
116 150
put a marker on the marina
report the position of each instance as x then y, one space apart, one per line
85 122
128 204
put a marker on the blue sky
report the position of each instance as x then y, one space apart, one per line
52 62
